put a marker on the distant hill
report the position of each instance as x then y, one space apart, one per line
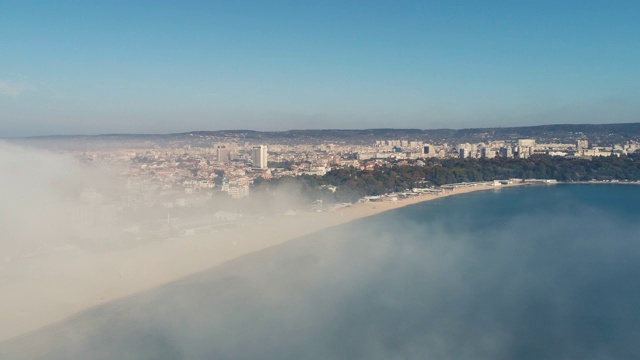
598 134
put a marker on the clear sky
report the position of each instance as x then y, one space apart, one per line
90 67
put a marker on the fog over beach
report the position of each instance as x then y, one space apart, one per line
523 273
58 258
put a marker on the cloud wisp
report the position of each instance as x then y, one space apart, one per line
14 88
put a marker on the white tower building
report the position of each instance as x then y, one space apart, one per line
259 156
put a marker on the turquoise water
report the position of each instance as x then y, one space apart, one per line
548 272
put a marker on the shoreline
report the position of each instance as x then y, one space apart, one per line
52 287
601 182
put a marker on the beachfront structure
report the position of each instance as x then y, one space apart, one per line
540 181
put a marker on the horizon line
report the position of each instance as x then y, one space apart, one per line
323 129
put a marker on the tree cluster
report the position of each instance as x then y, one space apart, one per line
352 184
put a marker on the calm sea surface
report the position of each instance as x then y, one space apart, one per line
549 272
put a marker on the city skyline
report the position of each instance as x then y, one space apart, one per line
103 67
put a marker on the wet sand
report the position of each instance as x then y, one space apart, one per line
47 288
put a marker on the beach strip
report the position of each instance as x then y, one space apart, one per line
42 290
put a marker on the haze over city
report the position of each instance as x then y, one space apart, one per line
163 67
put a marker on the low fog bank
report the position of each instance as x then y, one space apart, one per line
52 200
520 274
73 235
44 196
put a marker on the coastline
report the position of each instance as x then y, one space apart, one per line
601 182
52 287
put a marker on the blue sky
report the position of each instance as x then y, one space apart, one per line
90 67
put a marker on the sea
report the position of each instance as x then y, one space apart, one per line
536 272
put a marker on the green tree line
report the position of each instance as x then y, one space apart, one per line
352 184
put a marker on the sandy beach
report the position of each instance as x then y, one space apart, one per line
50 287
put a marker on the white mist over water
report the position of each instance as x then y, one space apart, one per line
525 273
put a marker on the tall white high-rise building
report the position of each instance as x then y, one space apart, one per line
222 153
259 156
